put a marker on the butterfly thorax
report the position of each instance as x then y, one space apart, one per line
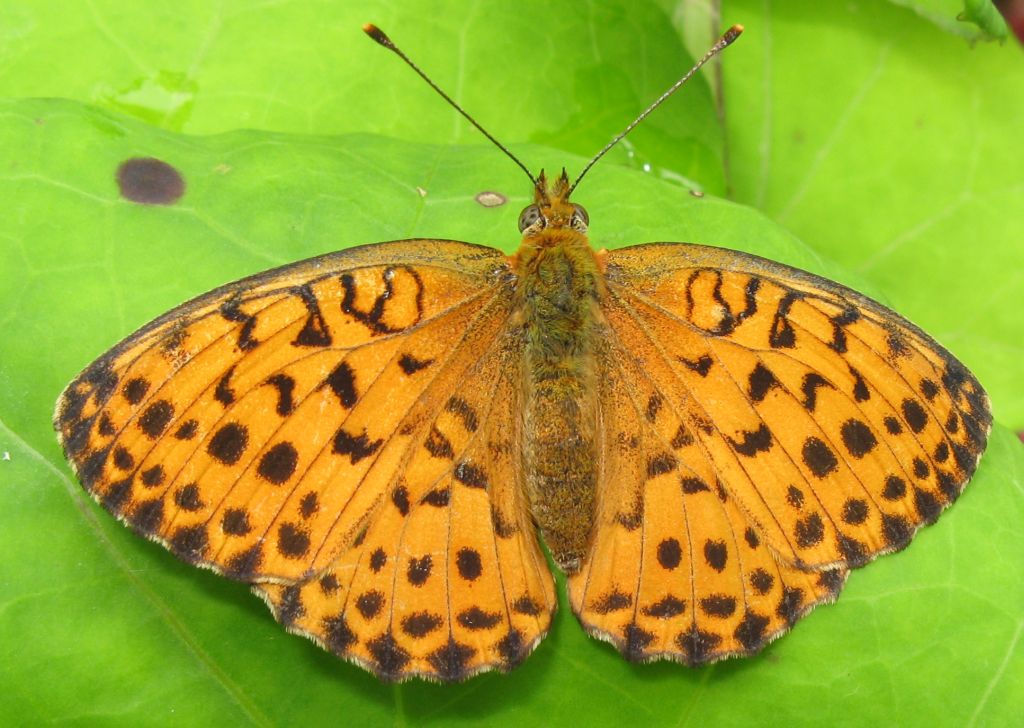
559 286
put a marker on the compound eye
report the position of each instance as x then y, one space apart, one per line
528 217
580 215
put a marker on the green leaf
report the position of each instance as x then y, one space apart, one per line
118 631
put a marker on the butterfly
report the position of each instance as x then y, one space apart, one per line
378 439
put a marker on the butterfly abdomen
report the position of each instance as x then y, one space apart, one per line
559 289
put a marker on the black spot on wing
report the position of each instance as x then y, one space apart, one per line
475 618
418 570
278 463
370 603
789 605
700 365
855 511
410 364
228 443
668 606
187 498
469 564
231 310
750 632
187 430
897 530
152 477
691 485
682 438
718 605
512 648
337 634
861 393
462 409
223 392
470 475
155 418
329 584
135 389
914 415
811 384
314 332
818 457
654 403
243 565
716 554
439 497
285 387
356 447
697 645
892 425
235 522
753 442
388 656
438 445
661 464
839 322
309 504
190 542
451 660
858 438
809 531
117 495
855 552
760 381
290 607
526 605
377 560
122 459
373 317
342 381
782 334
292 540
670 553
147 516
105 426
929 389
761 580
400 497
636 641
612 601
895 488
420 624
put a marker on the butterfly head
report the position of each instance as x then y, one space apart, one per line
551 208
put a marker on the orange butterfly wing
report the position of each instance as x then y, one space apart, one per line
448 579
272 429
765 430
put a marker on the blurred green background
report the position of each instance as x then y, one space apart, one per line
875 142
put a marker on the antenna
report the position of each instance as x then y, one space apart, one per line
727 38
378 35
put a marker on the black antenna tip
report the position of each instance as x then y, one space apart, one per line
378 35
730 35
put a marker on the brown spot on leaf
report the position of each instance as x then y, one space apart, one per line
150 181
